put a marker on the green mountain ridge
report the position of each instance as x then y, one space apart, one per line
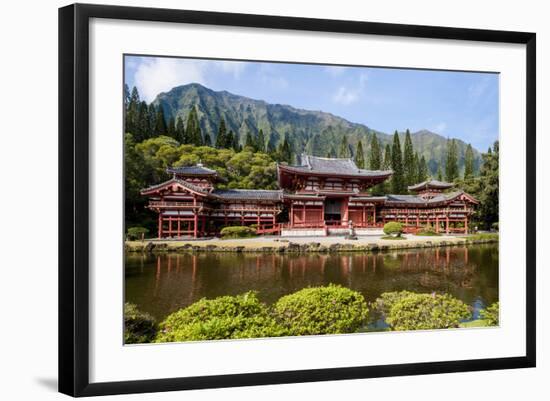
314 132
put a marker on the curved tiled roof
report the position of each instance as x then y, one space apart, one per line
191 170
332 166
434 184
248 194
183 183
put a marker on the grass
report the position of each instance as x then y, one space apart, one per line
483 236
475 323
390 237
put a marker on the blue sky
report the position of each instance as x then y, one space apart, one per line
454 104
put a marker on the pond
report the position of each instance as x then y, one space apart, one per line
162 284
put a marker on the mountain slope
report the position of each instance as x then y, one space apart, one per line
315 132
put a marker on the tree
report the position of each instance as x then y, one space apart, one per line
489 196
171 129
451 165
193 129
359 156
344 152
422 170
439 173
143 130
222 137
160 127
152 120
132 112
284 151
249 141
409 166
180 130
375 162
207 141
469 163
398 179
260 141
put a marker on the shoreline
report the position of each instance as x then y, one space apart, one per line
299 244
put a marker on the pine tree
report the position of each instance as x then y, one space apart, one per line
222 138
152 120
439 173
469 163
260 141
451 165
131 120
359 155
386 165
193 130
344 152
375 159
398 178
142 129
409 166
422 170
180 130
160 128
489 196
249 141
416 171
207 140
171 129
284 151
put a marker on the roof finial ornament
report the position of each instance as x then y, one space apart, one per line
199 164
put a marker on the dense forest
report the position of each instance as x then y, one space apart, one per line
155 141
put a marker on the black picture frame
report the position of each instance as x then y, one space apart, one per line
74 198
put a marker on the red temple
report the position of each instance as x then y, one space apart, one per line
322 196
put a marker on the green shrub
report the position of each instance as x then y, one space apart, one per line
491 314
321 310
427 311
241 316
393 228
139 327
386 300
135 233
427 231
237 232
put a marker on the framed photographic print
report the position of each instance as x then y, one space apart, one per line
250 199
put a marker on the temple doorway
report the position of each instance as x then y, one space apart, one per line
333 211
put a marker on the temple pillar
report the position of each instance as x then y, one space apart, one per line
436 223
447 224
160 226
466 225
195 223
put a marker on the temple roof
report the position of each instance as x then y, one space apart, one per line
183 183
196 170
328 166
248 194
432 184
418 200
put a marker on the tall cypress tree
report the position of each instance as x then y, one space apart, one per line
131 120
193 130
344 152
375 159
439 173
360 156
160 128
469 163
249 141
142 131
451 166
152 120
180 130
207 140
171 128
409 165
398 178
260 141
222 138
284 151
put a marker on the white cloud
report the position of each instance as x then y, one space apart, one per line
269 75
235 68
157 75
345 96
440 128
477 90
335 71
